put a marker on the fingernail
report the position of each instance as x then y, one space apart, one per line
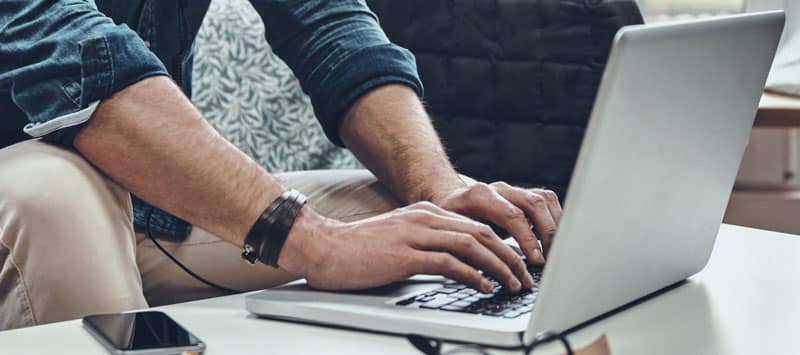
537 256
514 284
486 286
528 280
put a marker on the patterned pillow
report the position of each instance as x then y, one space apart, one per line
252 98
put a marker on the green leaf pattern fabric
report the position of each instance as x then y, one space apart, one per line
252 98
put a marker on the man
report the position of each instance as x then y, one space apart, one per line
113 125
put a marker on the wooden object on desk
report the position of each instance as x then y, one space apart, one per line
778 110
766 194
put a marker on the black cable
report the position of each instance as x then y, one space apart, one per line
433 346
549 336
177 62
180 264
183 30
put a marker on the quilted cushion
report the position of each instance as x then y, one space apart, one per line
510 83
252 98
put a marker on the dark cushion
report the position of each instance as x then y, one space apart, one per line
510 83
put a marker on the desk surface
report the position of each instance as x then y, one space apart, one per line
778 110
744 302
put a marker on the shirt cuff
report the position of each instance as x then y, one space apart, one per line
109 63
40 129
361 72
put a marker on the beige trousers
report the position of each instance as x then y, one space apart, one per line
68 247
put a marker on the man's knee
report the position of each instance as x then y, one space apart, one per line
41 181
47 188
62 223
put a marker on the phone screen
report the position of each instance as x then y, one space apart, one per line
141 331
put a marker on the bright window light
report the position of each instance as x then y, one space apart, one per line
668 10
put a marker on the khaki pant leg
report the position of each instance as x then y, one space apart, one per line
342 194
66 239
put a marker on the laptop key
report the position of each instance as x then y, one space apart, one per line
493 313
461 304
452 308
458 295
406 301
495 307
438 301
456 286
457 306
446 290
475 308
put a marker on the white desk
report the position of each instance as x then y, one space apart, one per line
747 301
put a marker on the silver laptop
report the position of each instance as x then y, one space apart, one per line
653 177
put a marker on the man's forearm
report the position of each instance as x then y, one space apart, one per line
151 140
390 132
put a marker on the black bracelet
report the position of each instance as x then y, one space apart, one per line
255 237
280 227
265 240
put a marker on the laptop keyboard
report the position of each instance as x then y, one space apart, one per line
456 297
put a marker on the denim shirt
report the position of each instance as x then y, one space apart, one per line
60 58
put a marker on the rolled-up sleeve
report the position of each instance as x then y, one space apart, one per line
62 57
337 50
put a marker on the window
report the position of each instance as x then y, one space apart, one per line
667 10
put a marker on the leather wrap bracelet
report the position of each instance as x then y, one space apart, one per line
266 238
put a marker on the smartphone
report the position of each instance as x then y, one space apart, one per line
142 333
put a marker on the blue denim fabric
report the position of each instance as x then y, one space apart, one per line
58 58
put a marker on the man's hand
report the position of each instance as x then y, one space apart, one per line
418 239
511 208
390 132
